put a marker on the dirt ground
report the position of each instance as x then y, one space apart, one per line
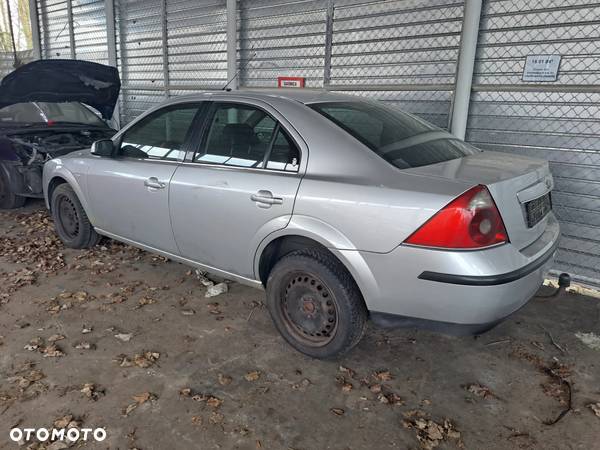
212 373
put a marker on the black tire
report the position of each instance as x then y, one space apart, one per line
70 220
8 199
315 304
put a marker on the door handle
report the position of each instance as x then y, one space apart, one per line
265 199
153 183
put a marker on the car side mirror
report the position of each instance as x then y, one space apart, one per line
104 148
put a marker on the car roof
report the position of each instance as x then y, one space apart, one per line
305 96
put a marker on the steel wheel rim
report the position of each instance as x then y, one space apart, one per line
68 217
308 309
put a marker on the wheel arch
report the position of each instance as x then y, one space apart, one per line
55 179
52 185
279 244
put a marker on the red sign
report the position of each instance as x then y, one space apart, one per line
290 82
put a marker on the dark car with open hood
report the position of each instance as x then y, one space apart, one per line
49 108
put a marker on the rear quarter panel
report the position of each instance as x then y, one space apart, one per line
372 205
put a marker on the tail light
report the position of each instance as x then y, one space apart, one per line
469 221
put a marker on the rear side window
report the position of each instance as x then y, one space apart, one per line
284 154
238 135
246 136
392 134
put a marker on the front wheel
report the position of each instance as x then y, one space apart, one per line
70 220
316 304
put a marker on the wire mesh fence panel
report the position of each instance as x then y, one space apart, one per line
557 121
89 31
510 30
139 31
395 42
196 44
55 41
408 48
281 38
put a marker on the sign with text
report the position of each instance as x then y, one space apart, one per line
541 68
290 82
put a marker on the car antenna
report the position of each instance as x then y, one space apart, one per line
224 88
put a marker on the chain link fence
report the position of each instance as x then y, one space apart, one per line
281 38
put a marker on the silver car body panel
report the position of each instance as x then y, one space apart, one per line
134 211
344 197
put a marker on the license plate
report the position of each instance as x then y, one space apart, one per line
537 209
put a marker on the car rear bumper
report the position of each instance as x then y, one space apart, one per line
454 291
490 280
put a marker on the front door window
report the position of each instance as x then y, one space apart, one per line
161 135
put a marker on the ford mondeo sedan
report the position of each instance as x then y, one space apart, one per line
342 209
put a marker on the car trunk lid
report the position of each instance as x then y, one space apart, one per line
519 185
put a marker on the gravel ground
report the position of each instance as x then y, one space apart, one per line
118 338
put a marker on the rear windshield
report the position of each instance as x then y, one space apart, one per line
401 139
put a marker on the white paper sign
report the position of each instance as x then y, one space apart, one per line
541 68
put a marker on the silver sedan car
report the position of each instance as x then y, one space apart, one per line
342 209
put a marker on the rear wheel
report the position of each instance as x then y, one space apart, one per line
316 304
8 199
70 220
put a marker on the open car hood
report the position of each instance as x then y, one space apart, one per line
63 80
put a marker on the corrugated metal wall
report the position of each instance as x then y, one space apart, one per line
403 52
281 37
73 29
89 30
168 48
197 45
54 28
558 121
139 55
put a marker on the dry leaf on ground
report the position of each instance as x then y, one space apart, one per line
480 390
224 380
52 351
595 407
252 376
430 434
383 375
91 391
